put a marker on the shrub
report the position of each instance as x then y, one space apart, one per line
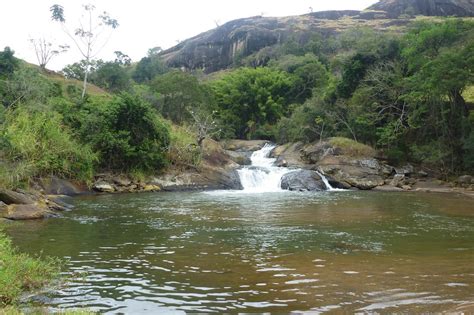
127 133
37 144
183 149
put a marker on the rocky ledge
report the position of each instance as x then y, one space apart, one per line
351 165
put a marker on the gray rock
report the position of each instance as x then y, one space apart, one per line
13 197
240 157
302 180
405 170
465 180
27 212
121 181
397 180
103 187
422 174
406 187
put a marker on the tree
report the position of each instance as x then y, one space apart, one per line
180 92
111 76
149 67
89 36
45 50
8 63
249 100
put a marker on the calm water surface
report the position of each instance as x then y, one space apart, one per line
274 252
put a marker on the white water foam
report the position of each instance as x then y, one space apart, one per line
262 175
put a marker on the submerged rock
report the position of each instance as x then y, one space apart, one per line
302 180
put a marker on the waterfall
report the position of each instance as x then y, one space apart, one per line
262 175
326 182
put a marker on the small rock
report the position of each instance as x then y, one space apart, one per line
422 174
121 181
151 188
103 187
282 163
405 170
397 180
387 169
406 187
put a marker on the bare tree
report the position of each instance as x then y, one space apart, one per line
90 37
205 124
45 50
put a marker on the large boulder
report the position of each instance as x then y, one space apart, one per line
217 171
14 197
240 157
288 155
356 172
302 180
27 212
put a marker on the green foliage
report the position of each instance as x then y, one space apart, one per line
111 76
25 85
308 75
126 133
37 144
8 63
20 273
183 150
248 99
179 93
148 68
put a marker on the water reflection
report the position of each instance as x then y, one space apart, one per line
275 252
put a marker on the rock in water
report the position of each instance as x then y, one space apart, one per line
302 180
27 212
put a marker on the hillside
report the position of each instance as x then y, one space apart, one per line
219 48
396 8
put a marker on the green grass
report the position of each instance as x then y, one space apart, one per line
20 273
352 148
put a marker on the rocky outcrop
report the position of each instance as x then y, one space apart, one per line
302 180
289 155
243 145
396 8
220 48
360 173
22 205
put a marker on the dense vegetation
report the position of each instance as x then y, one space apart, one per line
401 93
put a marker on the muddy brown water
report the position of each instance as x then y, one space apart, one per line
273 252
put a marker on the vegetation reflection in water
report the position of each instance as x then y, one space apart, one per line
277 252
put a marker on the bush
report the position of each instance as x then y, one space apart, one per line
127 133
20 272
183 149
37 144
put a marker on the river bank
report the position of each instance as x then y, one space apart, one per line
345 164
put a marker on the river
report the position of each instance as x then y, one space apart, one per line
267 252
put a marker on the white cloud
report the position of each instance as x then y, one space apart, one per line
143 23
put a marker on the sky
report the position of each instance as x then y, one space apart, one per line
143 24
